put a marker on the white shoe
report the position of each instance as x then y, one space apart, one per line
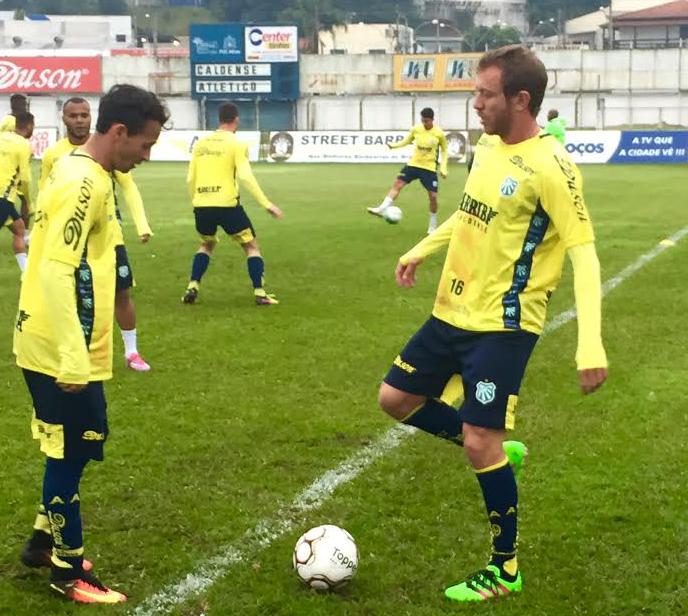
377 211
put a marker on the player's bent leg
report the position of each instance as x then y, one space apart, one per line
398 404
484 447
199 266
19 243
393 193
256 272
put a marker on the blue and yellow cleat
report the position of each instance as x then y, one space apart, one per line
516 452
483 585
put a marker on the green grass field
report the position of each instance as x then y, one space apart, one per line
246 406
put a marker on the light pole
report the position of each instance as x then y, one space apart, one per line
154 28
438 24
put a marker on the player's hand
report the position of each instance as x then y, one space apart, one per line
444 174
70 388
144 237
275 212
406 274
591 379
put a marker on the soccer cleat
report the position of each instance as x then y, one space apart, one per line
376 211
483 585
265 299
86 588
516 452
137 363
190 296
38 550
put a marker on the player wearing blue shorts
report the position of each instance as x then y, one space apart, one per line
63 332
521 212
429 155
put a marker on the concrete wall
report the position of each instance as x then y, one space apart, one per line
592 89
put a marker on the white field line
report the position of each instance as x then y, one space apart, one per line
289 515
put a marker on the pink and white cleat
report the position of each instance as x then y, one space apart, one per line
137 363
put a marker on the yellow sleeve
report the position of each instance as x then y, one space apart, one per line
134 202
246 177
191 174
8 123
25 174
588 293
562 199
46 167
405 141
444 154
430 244
82 205
59 284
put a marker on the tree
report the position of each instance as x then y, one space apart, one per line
483 38
312 16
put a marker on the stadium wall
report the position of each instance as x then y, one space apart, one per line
592 89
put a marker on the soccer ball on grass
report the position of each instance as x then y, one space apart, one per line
392 214
325 557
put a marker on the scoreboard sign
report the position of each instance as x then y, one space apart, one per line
244 62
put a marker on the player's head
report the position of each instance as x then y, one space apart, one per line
510 85
130 119
24 124
427 117
228 114
552 113
76 115
18 103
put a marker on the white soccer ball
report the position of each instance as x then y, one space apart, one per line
325 557
392 214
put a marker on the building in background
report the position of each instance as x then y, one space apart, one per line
367 38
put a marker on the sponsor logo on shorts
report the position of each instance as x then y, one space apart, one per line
123 271
92 435
485 392
400 363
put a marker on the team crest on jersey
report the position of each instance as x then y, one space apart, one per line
508 187
485 392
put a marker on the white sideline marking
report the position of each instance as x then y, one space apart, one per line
287 516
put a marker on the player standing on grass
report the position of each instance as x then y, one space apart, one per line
521 212
63 333
218 163
429 155
76 115
15 182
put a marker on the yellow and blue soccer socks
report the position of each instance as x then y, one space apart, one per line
256 269
500 492
200 264
62 505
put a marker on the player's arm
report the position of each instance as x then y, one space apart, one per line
429 245
134 202
191 175
59 284
562 199
25 175
405 141
246 177
65 243
444 155
590 356
46 167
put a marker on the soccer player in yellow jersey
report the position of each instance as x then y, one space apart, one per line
218 163
429 156
15 181
521 213
76 115
63 333
19 103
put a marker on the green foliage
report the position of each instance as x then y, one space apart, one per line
482 38
245 407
